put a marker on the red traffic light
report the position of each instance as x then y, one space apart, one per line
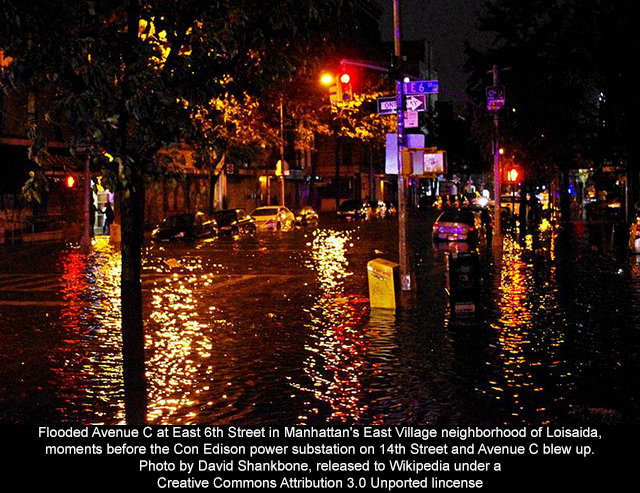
345 86
70 181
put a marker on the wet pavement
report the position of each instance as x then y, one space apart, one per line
276 329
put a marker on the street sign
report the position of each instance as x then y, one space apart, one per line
414 102
411 119
421 87
391 156
495 98
387 105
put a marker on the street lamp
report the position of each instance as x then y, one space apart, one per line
326 79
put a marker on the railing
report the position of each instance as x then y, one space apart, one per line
20 226
35 228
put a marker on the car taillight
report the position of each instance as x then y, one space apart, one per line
471 228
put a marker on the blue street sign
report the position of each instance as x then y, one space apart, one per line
421 87
495 98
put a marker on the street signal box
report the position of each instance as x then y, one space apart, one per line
335 90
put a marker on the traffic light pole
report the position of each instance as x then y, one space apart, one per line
497 185
281 177
405 276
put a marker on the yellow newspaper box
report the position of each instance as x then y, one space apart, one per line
383 283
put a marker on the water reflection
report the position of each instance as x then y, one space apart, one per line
528 333
275 329
178 342
91 353
337 345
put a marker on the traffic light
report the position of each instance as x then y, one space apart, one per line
331 81
340 89
70 181
346 91
513 174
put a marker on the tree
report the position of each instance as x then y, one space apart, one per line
570 91
548 79
131 78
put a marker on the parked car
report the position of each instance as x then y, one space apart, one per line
306 216
378 208
274 217
234 222
354 209
459 225
486 215
446 201
189 226
391 209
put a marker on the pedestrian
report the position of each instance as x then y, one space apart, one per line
108 218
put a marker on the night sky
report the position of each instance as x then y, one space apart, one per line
447 24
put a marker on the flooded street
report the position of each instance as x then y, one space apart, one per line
276 329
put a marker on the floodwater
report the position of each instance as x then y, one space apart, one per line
276 328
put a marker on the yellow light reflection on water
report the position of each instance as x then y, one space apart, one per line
178 341
521 355
337 346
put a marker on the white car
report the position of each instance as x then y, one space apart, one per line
274 217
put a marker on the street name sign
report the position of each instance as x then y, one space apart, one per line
421 87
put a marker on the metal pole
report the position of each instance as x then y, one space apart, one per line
281 178
497 186
405 277
86 216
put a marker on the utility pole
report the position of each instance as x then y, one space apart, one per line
87 226
497 185
281 178
405 276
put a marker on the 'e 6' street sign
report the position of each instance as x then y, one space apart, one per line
420 87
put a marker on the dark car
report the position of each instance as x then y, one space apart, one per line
459 225
189 226
234 222
391 209
378 208
455 201
354 209
306 216
486 216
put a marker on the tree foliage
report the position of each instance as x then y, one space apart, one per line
187 61
565 66
129 78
